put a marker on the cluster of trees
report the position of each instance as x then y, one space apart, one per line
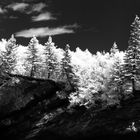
112 76
103 78
34 60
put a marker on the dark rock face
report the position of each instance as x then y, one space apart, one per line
25 94
39 99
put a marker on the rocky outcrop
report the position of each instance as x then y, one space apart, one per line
40 98
23 92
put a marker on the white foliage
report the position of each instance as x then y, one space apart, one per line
3 43
94 71
81 58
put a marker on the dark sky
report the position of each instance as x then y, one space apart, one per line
99 22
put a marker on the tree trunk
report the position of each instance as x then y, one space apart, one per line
49 75
32 72
133 86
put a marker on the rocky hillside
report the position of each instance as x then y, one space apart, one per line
46 116
113 123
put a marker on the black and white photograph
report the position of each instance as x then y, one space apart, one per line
69 69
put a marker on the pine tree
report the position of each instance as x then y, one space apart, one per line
116 81
32 57
9 56
67 69
132 56
51 62
114 49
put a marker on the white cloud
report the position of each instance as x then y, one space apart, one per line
45 31
18 6
36 8
22 7
2 11
43 17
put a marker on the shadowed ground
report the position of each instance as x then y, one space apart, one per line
46 116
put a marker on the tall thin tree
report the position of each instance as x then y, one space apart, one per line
51 62
9 56
132 56
32 57
67 69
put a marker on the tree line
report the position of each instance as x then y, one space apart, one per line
103 78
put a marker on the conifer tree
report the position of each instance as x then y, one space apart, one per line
132 56
9 56
116 69
51 62
114 49
67 69
32 57
116 81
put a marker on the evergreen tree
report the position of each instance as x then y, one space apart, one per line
51 62
9 56
67 69
114 49
32 57
116 82
132 56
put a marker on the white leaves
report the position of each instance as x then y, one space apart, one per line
89 73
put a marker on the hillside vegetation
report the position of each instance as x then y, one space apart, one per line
43 81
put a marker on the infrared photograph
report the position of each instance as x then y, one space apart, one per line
69 69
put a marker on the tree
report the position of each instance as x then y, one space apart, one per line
51 62
132 56
9 56
32 57
116 80
67 69
114 49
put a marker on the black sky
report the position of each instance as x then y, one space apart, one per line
101 22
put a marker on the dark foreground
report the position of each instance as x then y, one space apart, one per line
47 117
